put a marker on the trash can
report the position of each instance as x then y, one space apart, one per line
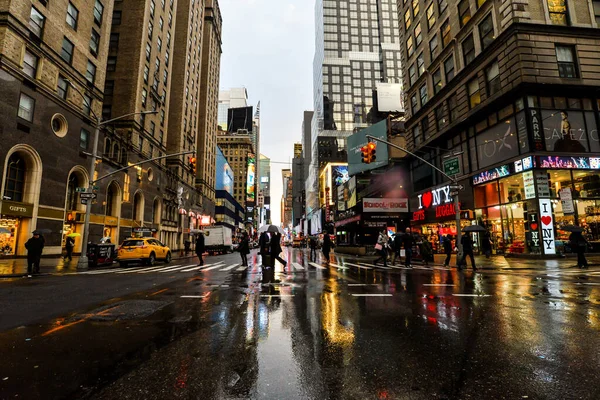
100 254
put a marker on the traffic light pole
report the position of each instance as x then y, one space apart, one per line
455 188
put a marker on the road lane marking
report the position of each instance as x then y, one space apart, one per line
471 295
372 294
317 265
242 268
196 267
277 295
358 266
195 296
363 284
213 267
338 266
129 271
158 292
298 266
175 268
104 271
159 269
230 267
437 285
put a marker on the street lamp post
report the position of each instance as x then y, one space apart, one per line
83 259
455 188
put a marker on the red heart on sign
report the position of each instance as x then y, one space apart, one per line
533 227
427 199
546 220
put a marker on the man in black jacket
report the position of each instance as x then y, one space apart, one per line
200 247
448 249
34 246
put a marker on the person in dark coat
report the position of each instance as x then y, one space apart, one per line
396 246
327 244
579 245
486 244
34 246
200 247
69 245
264 248
313 248
467 247
408 240
447 249
276 249
244 248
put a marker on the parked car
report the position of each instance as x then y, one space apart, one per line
146 250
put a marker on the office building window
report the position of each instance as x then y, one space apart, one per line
98 11
72 15
434 47
492 77
486 31
423 94
430 16
67 51
114 42
84 139
90 73
596 4
152 128
442 4
412 74
415 7
449 68
94 42
446 36
159 44
567 65
111 63
559 12
425 127
468 47
414 104
146 73
109 88
480 3
26 107
144 97
410 48
417 135
440 119
62 87
36 22
116 19
437 80
464 12
30 64
418 34
148 51
87 103
473 92
452 106
407 20
420 64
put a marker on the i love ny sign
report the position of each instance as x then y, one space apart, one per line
547 225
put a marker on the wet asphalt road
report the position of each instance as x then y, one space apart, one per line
348 331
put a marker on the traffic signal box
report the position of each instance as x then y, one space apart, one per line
369 153
192 161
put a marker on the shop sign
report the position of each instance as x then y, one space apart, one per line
529 185
534 230
564 162
543 185
435 198
536 128
566 199
491 174
419 215
15 209
111 221
375 224
524 164
347 221
445 210
547 222
385 205
143 230
452 166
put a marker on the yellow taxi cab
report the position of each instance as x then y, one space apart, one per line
146 250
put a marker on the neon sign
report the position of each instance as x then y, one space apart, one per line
435 198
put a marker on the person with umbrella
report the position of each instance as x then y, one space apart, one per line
467 245
200 247
263 245
34 246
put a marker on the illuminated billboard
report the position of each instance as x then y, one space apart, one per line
339 175
250 190
224 173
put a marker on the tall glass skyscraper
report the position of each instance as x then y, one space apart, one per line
357 45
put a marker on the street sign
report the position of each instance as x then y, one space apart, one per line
452 166
88 195
84 201
80 190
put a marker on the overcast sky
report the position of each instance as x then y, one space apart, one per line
268 48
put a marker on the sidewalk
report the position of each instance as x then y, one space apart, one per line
17 267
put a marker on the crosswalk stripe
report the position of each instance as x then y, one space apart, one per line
374 266
317 265
197 267
179 267
338 266
105 271
132 270
241 268
298 266
213 267
230 267
359 266
158 269
372 294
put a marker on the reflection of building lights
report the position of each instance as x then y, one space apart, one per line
336 332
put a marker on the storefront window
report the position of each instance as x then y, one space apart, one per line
587 184
558 180
512 189
8 240
513 224
486 195
588 212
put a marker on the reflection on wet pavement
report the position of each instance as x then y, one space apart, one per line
312 333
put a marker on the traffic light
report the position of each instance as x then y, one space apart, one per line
371 151
365 154
192 161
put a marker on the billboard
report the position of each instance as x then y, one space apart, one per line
385 205
346 195
224 178
339 175
389 97
358 140
250 193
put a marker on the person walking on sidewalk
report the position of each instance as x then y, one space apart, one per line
396 246
276 249
579 246
447 249
34 246
244 248
264 249
381 247
312 242
486 244
200 247
426 250
408 241
69 245
327 245
467 245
